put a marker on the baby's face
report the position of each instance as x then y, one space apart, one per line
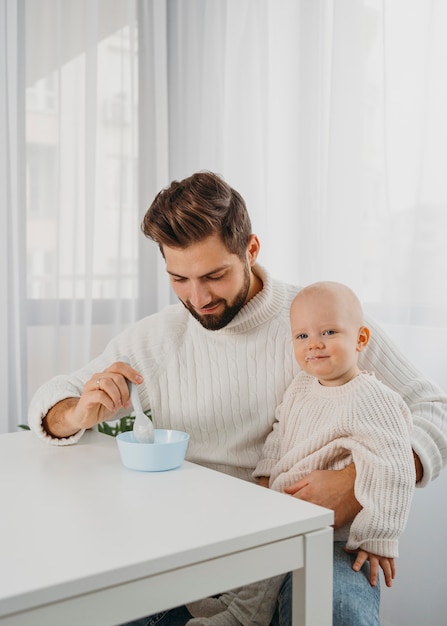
327 337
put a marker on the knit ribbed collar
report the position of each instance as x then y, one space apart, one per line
336 391
264 306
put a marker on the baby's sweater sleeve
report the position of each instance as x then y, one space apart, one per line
271 451
384 486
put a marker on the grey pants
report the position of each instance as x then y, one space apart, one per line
251 605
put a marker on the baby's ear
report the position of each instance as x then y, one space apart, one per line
363 338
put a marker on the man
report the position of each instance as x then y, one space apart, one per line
216 365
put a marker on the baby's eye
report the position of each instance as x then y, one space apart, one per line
329 332
302 336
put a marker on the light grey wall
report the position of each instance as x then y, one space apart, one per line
419 593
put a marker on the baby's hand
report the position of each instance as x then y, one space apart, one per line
386 563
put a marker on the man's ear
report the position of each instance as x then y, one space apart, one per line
253 248
363 338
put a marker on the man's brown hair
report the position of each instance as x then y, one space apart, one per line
195 208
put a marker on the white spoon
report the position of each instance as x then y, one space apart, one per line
143 428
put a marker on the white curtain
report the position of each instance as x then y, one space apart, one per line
328 116
13 379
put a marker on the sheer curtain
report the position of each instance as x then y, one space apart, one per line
13 385
327 116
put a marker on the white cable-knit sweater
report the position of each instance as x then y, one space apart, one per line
223 386
364 421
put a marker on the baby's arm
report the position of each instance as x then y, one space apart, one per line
263 481
375 560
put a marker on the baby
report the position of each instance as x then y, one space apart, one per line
332 415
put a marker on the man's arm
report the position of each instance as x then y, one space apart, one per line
57 422
334 489
103 395
426 401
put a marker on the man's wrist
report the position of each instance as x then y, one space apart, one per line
55 423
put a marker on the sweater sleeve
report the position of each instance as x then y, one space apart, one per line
49 394
426 401
145 343
60 388
384 486
271 451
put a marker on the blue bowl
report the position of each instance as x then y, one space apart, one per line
166 453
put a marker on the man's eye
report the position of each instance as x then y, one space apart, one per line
215 277
177 280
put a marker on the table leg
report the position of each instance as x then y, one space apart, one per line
312 584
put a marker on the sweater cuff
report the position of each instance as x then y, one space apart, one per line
383 547
39 407
263 468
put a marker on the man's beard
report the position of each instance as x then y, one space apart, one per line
215 322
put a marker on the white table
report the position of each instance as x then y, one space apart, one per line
85 541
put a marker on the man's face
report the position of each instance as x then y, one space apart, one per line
210 281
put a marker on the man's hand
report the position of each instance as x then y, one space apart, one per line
333 489
103 395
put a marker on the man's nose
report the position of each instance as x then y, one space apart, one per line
200 295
